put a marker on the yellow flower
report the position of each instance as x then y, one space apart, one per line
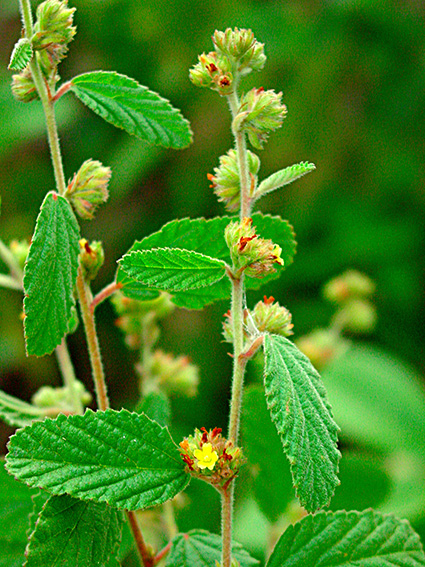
206 457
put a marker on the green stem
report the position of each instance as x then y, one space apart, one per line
68 374
169 520
46 101
85 298
9 282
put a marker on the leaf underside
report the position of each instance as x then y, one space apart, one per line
124 103
207 237
49 276
298 405
284 177
172 269
121 458
349 539
73 533
17 413
203 549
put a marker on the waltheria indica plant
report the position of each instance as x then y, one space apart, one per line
95 467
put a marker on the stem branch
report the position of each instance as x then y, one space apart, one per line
104 294
68 374
146 557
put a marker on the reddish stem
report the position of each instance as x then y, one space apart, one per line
61 91
147 558
104 294
161 554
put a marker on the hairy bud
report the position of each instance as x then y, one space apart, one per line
88 188
53 29
270 317
260 113
241 47
214 72
23 87
91 258
226 179
251 254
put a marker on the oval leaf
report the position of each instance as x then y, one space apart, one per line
132 107
207 237
72 533
299 408
17 413
21 54
49 276
203 549
283 177
121 458
172 269
349 539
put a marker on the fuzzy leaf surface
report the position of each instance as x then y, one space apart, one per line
283 177
298 406
73 533
349 539
203 549
121 458
207 237
17 413
49 276
21 55
172 269
124 103
15 507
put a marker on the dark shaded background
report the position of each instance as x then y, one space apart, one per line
352 74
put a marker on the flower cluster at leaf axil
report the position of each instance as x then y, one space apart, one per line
251 254
210 456
266 317
53 31
88 188
92 257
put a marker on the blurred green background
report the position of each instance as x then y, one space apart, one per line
352 73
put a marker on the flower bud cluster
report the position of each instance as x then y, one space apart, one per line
133 315
241 47
213 71
210 456
53 31
60 398
226 179
351 291
92 257
173 375
260 113
251 254
322 346
266 317
88 188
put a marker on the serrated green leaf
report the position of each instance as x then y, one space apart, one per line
299 408
21 55
207 237
349 539
49 276
17 413
121 458
203 549
283 177
15 507
72 533
172 269
128 105
269 466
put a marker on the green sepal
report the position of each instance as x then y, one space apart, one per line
298 406
50 275
172 269
207 237
133 107
343 539
121 458
21 55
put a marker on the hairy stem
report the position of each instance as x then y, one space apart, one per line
242 156
226 525
48 107
68 374
85 298
145 556
104 294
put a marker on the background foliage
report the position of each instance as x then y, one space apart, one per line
353 77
